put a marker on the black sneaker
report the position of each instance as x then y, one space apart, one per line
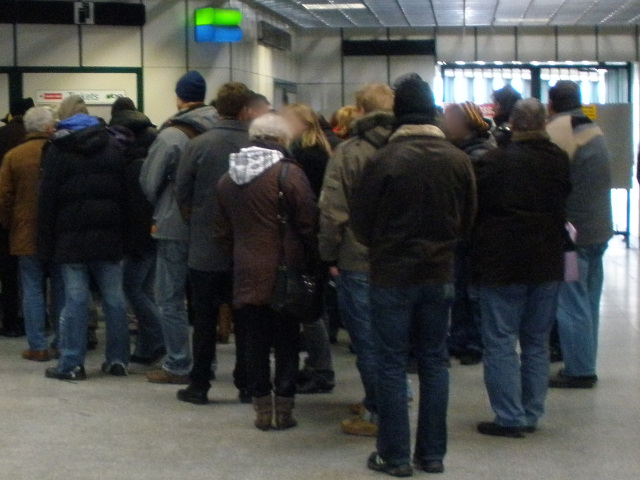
193 395
315 386
377 464
77 373
116 369
564 381
428 466
148 361
245 396
530 429
494 430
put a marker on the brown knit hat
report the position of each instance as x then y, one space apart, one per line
473 116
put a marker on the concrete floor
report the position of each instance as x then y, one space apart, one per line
110 429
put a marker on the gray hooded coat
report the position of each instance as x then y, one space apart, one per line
157 176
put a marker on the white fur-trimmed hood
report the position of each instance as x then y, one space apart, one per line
251 162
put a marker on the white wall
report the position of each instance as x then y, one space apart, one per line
323 78
164 48
169 51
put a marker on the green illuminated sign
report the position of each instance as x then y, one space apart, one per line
218 17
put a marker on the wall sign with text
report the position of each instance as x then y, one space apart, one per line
90 97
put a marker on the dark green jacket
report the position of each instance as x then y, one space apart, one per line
338 244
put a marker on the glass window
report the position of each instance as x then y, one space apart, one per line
478 84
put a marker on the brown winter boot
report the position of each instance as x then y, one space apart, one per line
284 413
225 323
264 412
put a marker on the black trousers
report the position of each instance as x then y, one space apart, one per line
9 280
240 377
209 290
266 329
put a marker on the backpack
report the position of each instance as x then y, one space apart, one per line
170 174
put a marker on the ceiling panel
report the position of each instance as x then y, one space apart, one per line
429 13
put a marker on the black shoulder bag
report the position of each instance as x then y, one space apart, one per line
297 294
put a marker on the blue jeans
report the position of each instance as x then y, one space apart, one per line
355 311
517 387
138 282
171 281
33 274
579 313
464 333
397 314
74 320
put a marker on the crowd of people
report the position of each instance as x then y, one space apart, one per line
431 234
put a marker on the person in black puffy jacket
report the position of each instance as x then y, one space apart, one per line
81 225
139 269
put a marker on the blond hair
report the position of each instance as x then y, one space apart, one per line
313 135
344 118
375 97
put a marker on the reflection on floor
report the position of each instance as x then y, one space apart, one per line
112 429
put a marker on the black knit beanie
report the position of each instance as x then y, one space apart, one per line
506 97
414 101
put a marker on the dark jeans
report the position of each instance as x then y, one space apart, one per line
209 290
266 329
9 280
464 334
354 301
139 274
74 319
319 362
396 315
579 313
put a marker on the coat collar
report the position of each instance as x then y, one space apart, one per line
36 136
417 131
530 136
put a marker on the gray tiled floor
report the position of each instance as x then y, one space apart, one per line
110 429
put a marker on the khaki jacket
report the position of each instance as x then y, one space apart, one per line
19 180
338 244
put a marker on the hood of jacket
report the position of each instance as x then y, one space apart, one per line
201 118
375 128
250 163
135 121
81 133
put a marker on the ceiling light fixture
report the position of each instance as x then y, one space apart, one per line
522 20
334 6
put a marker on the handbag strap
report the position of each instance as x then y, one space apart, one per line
283 213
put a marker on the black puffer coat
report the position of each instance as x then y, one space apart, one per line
139 243
82 209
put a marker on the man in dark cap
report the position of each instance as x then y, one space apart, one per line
122 104
504 100
11 135
589 210
415 201
170 229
